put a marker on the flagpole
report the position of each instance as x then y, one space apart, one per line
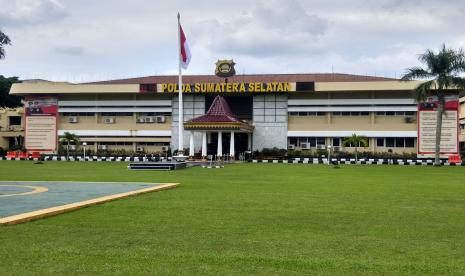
180 106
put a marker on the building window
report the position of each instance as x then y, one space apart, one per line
390 142
409 142
336 141
380 142
400 142
293 141
15 120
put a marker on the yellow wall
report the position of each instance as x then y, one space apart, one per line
7 130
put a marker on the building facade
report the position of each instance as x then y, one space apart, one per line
297 111
11 128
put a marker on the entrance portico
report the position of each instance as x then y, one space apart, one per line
219 122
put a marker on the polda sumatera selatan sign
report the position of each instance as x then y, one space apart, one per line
234 87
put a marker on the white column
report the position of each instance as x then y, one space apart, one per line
231 145
220 144
249 141
191 144
204 144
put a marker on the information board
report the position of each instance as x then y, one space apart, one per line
41 124
427 119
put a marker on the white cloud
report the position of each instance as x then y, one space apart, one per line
270 28
24 12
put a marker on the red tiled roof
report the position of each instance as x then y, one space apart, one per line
219 112
319 77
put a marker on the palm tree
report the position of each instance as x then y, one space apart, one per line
355 141
442 72
4 40
69 138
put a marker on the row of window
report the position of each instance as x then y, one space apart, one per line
396 142
311 141
307 113
351 113
388 142
114 114
158 144
79 114
354 113
396 113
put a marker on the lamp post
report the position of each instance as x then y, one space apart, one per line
84 147
329 154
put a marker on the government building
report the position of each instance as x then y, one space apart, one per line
223 115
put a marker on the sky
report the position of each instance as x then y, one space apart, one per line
90 40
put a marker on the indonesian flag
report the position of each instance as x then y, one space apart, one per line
185 51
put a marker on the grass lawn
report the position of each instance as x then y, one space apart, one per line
267 219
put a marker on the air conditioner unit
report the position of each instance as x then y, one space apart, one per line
291 147
72 147
337 148
165 148
140 120
409 120
140 148
109 120
321 147
305 145
161 119
73 120
148 119
102 147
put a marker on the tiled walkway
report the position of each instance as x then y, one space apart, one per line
17 197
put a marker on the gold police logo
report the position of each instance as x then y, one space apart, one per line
225 68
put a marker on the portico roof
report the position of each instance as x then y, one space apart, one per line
219 116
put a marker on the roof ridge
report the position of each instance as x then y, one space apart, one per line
318 77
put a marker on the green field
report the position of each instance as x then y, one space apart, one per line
267 219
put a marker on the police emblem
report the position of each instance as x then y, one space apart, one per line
225 68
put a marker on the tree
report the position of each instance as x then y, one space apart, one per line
69 138
4 40
442 72
7 100
355 141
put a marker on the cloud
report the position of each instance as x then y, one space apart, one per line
270 28
70 51
27 12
